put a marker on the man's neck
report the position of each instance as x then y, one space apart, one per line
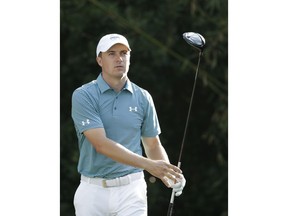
115 83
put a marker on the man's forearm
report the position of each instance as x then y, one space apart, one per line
114 150
119 153
154 149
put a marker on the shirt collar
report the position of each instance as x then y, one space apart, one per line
128 86
103 86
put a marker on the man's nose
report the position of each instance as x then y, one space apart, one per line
119 58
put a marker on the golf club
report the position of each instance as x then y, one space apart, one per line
197 41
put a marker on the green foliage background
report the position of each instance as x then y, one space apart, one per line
164 64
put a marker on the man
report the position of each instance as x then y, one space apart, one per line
112 116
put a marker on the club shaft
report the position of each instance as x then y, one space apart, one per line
189 110
171 204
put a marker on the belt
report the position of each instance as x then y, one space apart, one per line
121 181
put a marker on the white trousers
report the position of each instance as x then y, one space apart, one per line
127 200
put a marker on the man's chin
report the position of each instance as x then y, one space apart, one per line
121 74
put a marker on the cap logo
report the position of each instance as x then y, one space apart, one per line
114 37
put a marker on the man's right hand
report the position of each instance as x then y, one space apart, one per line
165 171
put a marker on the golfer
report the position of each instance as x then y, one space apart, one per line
112 117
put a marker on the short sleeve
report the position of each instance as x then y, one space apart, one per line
85 112
150 126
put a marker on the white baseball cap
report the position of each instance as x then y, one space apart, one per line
109 40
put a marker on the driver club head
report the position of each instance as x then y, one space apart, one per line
194 39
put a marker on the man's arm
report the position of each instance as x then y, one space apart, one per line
155 151
157 162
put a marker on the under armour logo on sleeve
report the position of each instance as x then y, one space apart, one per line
85 122
133 109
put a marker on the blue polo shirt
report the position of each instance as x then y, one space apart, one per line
125 116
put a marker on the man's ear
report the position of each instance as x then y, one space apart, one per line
99 61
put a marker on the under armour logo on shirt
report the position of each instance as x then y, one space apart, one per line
133 109
85 122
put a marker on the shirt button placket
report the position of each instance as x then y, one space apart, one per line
115 105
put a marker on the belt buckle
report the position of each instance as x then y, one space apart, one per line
104 183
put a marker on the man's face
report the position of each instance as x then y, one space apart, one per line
115 61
